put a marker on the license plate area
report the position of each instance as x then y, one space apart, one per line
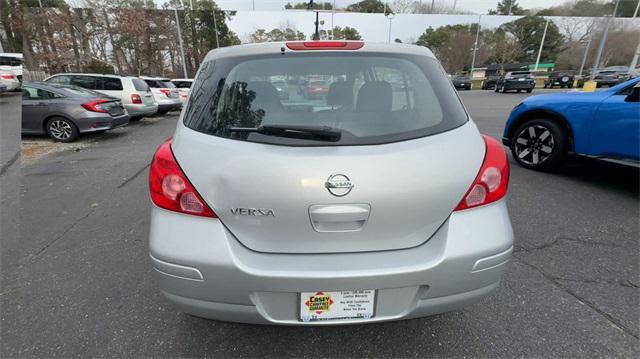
326 306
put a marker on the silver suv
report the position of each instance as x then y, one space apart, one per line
375 200
165 93
134 93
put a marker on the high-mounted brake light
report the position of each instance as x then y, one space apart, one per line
493 178
136 99
325 45
94 106
170 189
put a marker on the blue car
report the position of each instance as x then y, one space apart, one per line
543 130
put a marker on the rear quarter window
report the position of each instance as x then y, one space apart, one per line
371 98
140 85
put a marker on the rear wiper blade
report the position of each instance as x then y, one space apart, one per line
320 133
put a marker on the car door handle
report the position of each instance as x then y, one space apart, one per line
339 217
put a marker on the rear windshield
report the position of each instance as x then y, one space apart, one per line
140 85
182 84
168 84
10 61
520 74
370 98
155 84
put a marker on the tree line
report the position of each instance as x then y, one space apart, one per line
585 8
519 41
113 36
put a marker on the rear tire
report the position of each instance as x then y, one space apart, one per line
61 129
539 144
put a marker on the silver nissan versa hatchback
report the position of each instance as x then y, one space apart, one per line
376 200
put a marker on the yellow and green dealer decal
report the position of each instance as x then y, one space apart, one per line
319 303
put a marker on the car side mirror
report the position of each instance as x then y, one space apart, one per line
634 96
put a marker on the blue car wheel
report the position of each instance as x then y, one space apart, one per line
539 144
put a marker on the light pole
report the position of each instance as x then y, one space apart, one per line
475 46
389 17
215 28
184 64
596 63
544 34
635 13
333 13
586 52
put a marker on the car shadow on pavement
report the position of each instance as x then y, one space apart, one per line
605 175
348 340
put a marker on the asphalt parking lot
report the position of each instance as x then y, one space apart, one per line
77 282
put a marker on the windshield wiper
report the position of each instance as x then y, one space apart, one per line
319 133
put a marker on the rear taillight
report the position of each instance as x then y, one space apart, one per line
165 91
136 99
94 106
170 189
491 183
325 45
8 77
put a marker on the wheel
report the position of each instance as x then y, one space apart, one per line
539 144
62 130
528 90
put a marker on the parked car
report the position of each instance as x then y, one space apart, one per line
282 88
516 80
165 93
462 83
559 78
272 212
315 89
490 82
63 112
11 63
610 76
184 87
133 92
542 130
10 80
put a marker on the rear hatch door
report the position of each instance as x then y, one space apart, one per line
275 198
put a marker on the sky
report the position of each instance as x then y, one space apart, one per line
476 6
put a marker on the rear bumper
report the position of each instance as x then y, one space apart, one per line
102 123
203 270
163 107
12 84
519 85
141 110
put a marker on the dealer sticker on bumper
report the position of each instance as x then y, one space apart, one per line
353 304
